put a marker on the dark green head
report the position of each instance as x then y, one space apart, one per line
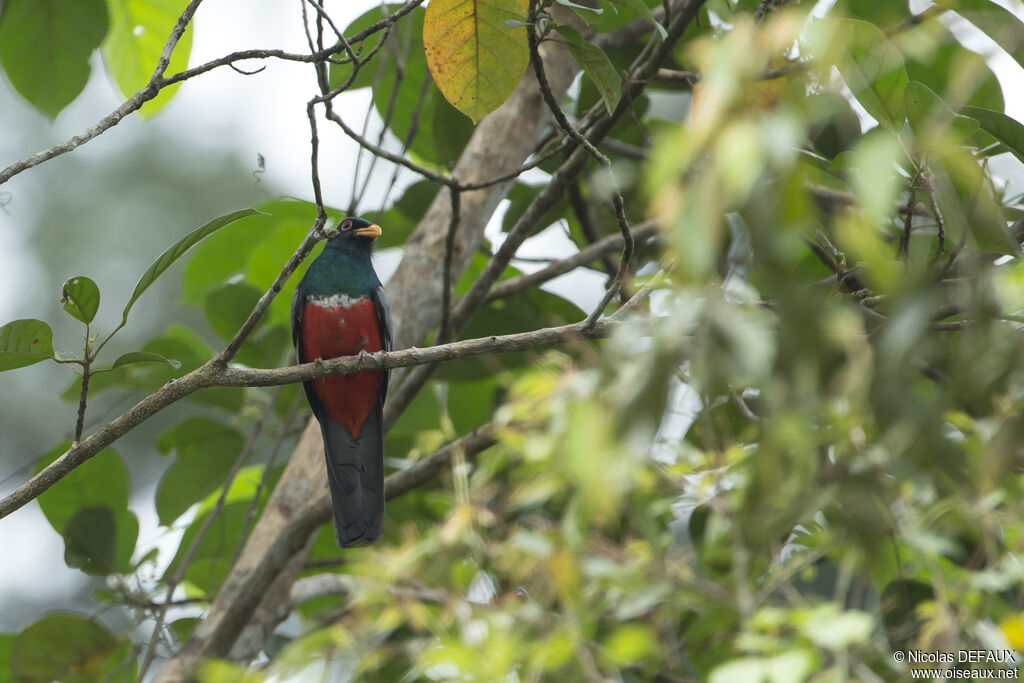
345 266
355 235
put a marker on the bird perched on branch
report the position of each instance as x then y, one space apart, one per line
339 309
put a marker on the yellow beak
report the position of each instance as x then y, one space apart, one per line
371 231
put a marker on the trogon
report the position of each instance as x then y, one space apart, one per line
339 309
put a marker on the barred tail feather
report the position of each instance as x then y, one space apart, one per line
355 472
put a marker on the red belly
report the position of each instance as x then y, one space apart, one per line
329 332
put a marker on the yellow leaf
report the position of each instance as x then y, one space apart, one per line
475 56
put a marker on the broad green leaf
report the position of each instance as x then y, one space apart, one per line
998 23
967 200
875 72
925 110
90 540
205 451
422 415
401 218
212 558
24 342
81 298
61 647
101 482
471 404
631 643
644 11
878 13
958 75
475 57
1007 130
182 628
595 64
137 357
175 252
228 306
404 93
522 312
45 47
139 30
227 253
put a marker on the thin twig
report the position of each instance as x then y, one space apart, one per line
186 560
620 210
449 257
933 203
603 246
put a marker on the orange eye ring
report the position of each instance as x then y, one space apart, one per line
346 225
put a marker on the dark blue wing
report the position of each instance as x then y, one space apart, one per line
298 306
380 303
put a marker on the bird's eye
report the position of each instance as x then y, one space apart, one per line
346 225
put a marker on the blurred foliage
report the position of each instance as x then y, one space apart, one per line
806 457
45 47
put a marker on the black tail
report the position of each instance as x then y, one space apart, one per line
355 472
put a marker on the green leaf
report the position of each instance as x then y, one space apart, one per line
519 313
476 58
875 73
101 482
45 47
595 65
471 404
640 8
24 342
175 252
228 306
81 298
61 647
139 30
998 23
137 357
1007 130
925 110
944 69
401 218
90 541
877 13
631 643
205 452
212 559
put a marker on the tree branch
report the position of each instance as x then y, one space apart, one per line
601 247
213 374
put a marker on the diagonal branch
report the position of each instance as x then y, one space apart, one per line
587 254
